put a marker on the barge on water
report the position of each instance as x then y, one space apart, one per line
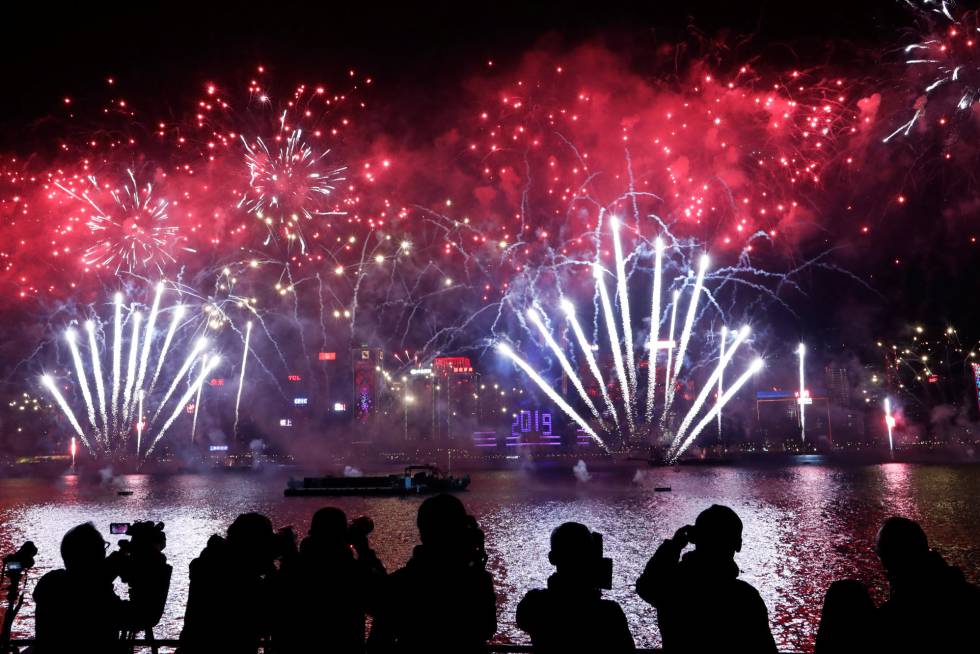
416 480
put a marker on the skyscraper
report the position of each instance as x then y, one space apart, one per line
365 365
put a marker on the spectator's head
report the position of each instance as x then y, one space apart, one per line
847 612
82 547
718 531
573 548
329 526
251 537
901 545
441 520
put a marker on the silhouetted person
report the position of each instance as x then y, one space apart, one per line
848 622
930 606
230 600
702 605
77 608
570 614
443 599
324 593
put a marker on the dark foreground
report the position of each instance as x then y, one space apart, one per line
805 525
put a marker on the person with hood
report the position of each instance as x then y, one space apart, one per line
702 605
443 600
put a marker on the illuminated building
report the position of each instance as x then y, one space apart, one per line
838 385
366 365
457 396
778 419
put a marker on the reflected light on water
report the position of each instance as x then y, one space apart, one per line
804 525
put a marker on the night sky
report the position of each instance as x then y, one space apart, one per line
161 53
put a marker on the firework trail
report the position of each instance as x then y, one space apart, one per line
586 349
197 401
139 422
241 374
60 399
707 387
624 302
565 365
753 369
615 346
802 399
70 336
721 373
889 423
506 350
116 359
653 347
191 390
97 373
111 434
135 317
692 310
683 437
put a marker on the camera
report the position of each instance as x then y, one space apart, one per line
604 564
21 560
361 526
147 542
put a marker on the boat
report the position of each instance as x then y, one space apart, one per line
416 480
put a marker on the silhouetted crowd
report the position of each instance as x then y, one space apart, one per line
256 587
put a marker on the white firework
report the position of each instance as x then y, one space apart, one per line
626 364
289 185
133 232
114 417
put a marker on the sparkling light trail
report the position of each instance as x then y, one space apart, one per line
587 351
97 373
559 401
721 373
60 399
535 318
241 374
889 423
624 302
615 346
725 399
652 345
801 352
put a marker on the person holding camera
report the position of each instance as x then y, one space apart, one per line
326 592
77 608
231 583
571 614
443 600
702 605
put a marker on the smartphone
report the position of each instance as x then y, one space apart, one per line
14 566
604 565
118 528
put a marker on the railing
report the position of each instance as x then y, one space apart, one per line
172 643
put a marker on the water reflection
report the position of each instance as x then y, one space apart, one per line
805 525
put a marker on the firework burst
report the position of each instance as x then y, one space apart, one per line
289 185
657 427
133 232
945 64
